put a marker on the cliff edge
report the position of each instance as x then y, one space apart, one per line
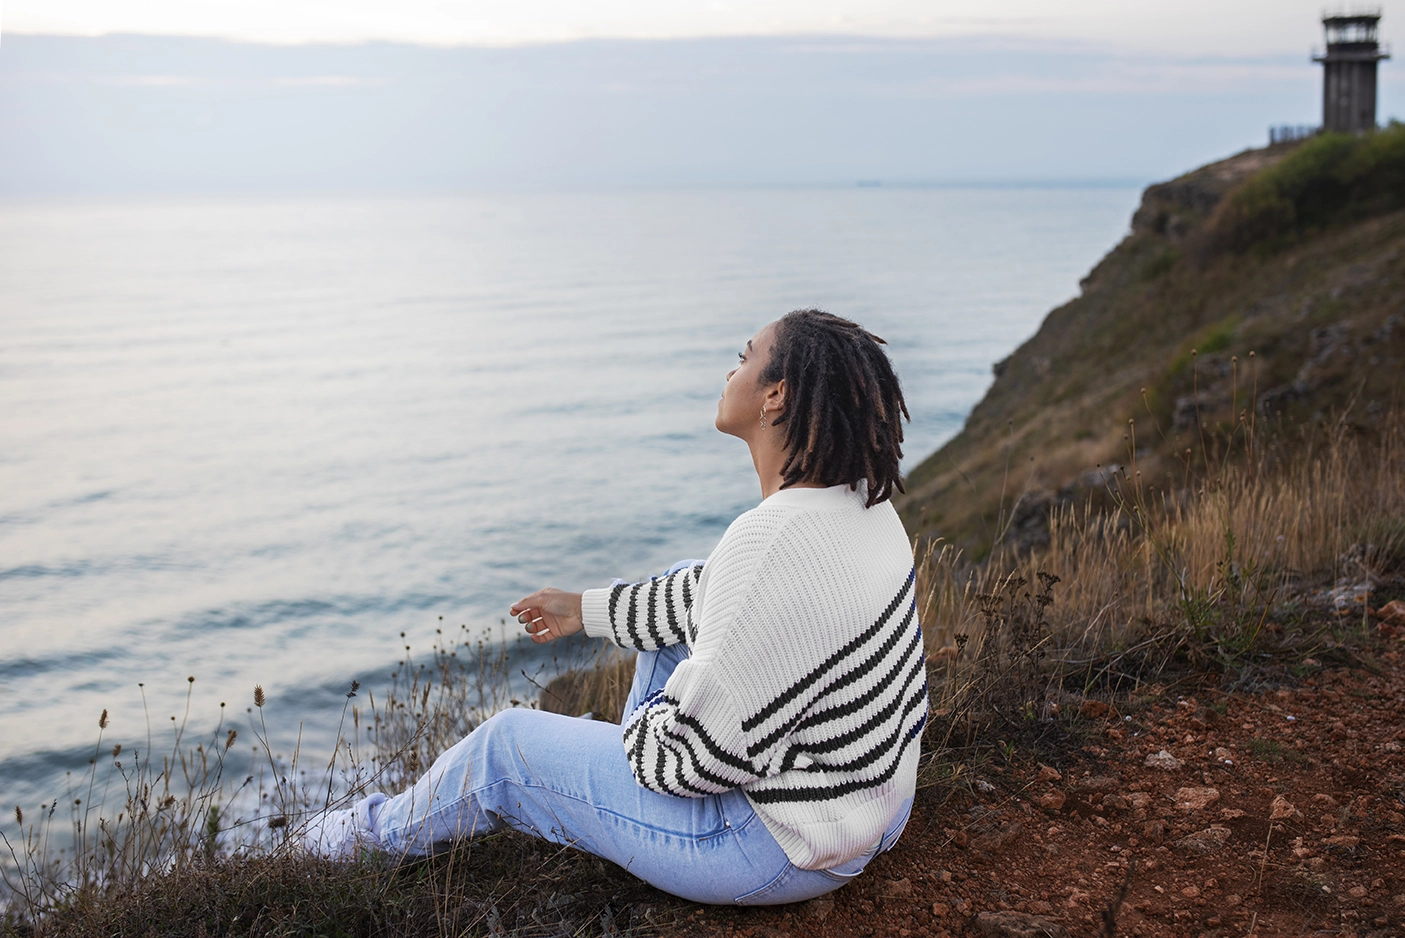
1266 290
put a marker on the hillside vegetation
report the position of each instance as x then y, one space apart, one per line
1262 291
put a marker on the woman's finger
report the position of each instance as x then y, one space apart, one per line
530 602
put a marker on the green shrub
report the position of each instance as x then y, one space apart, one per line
1329 178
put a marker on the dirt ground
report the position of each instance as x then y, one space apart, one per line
1276 813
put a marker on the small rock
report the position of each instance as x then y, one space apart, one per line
983 786
1194 799
1232 900
1162 760
1138 799
1052 800
1039 907
1223 754
1358 892
941 909
997 840
1281 808
1092 709
1018 925
1209 840
1191 892
1324 799
819 908
1154 830
1115 803
1099 783
1047 774
1392 612
899 888
1231 814
1343 841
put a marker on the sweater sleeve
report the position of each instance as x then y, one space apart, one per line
686 739
647 615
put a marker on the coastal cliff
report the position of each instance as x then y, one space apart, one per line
1266 290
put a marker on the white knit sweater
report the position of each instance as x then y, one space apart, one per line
806 685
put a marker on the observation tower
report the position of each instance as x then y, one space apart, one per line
1349 71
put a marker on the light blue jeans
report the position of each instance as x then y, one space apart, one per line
567 780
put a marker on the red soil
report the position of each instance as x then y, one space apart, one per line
1286 816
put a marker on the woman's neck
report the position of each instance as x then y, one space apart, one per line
768 457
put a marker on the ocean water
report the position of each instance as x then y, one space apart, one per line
252 441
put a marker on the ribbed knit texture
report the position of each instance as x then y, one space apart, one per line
806 685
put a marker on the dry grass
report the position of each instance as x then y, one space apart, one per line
1210 576
600 689
185 848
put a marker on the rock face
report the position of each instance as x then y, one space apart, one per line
1175 209
1318 306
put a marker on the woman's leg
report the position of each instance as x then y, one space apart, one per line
568 781
651 673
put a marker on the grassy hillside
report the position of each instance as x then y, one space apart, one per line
1267 289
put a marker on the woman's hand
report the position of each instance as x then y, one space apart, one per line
549 614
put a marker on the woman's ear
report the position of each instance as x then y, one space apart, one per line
775 398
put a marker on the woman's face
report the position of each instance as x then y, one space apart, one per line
739 410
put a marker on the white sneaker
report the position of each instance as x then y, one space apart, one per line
341 834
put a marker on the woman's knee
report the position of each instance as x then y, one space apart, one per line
505 733
481 752
509 723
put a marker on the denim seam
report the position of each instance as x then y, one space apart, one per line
726 828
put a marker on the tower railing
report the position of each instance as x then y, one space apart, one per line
1381 51
1289 133
1343 13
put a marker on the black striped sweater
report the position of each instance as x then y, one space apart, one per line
805 686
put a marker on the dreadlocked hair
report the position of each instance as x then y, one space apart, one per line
844 406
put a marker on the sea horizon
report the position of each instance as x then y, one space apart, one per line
254 440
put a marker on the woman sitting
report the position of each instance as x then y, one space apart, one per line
770 739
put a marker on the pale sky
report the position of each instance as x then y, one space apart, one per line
1168 27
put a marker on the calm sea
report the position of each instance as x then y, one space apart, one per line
252 441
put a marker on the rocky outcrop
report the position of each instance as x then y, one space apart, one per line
1172 343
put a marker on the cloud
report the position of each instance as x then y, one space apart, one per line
328 81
